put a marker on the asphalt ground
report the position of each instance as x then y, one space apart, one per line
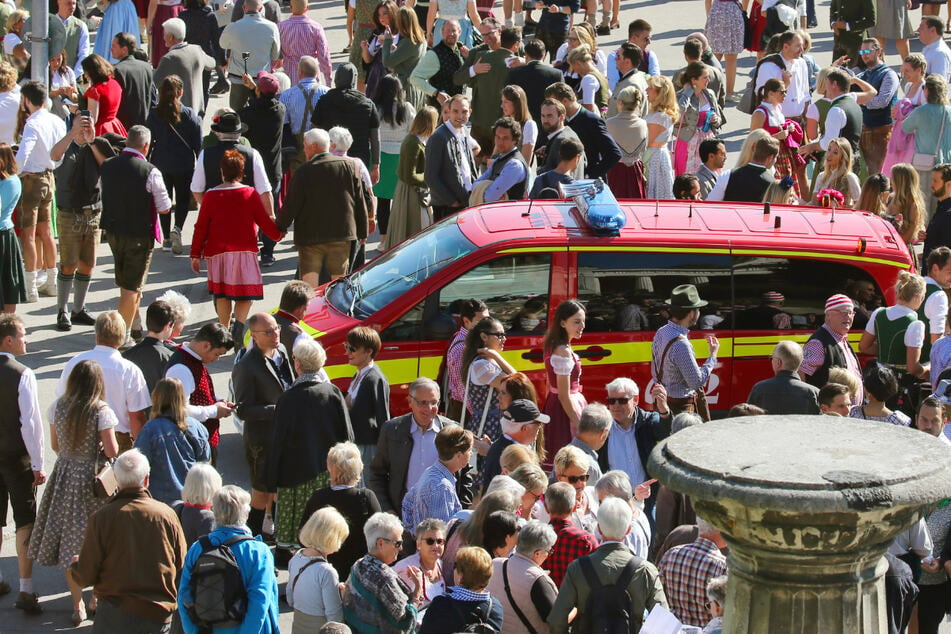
48 349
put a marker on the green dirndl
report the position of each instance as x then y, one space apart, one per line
290 508
387 185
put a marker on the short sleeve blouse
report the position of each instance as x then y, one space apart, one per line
107 418
529 132
562 366
483 371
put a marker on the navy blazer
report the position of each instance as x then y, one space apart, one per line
599 148
649 429
370 407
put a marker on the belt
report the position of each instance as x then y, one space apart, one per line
84 209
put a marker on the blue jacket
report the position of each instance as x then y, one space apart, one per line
257 569
171 455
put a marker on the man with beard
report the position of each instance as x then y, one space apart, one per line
433 75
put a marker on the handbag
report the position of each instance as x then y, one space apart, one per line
747 28
425 197
105 484
924 162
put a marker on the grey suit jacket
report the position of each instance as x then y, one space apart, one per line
257 387
552 150
785 394
637 79
609 560
443 168
188 62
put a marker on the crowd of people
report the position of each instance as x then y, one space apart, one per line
485 502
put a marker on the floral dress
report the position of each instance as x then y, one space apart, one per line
481 374
558 431
69 498
660 171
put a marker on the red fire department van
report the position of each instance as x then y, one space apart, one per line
523 259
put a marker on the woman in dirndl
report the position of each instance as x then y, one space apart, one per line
408 215
700 117
483 369
563 367
396 118
660 126
12 273
769 116
226 237
725 28
757 25
626 179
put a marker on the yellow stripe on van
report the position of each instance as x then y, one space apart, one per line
819 255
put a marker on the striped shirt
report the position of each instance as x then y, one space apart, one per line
433 496
680 372
300 35
296 103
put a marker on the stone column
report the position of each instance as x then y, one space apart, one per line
808 506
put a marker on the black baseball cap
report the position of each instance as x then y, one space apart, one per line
523 411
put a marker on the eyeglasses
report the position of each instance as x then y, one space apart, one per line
576 479
397 543
617 401
499 335
269 332
425 403
432 541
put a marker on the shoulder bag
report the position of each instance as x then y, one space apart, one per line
485 413
105 484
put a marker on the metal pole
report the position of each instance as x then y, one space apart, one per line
39 46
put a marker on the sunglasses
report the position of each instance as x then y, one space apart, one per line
432 541
500 335
398 543
617 401
867 51
781 90
577 479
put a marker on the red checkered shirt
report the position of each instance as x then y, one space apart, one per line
573 542
684 572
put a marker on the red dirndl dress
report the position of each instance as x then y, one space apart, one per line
558 430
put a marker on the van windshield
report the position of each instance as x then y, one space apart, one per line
398 270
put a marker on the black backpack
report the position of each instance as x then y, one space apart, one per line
608 609
481 623
748 102
219 598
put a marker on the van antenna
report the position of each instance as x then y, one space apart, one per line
656 209
690 215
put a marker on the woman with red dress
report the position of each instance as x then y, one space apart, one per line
103 95
231 249
769 116
565 401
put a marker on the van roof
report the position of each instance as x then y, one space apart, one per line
703 224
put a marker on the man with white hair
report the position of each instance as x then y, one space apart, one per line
617 484
133 190
634 434
611 563
330 207
785 393
521 423
188 61
520 584
132 551
255 36
231 505
685 571
828 347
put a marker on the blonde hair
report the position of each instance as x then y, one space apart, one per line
585 36
837 178
514 456
8 76
907 200
168 400
15 17
347 462
570 456
580 54
843 376
325 531
909 286
806 39
665 97
776 194
201 484
746 151
821 80
474 564
110 329
530 476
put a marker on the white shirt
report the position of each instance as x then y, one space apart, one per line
937 54
914 335
154 184
261 184
42 131
797 92
357 380
462 139
180 371
936 308
915 539
9 105
31 424
10 42
424 451
835 121
126 390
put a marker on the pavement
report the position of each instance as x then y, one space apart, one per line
48 349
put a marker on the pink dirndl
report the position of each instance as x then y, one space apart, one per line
558 431
687 153
235 275
901 145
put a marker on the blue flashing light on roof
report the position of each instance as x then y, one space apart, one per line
597 205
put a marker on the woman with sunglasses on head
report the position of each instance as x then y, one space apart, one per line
769 116
430 544
483 369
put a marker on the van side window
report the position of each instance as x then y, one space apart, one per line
790 293
514 287
625 292
406 328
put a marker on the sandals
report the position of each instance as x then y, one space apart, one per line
79 615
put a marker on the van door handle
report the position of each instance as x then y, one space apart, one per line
533 355
391 347
594 352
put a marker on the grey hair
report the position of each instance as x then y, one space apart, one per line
174 28
683 420
181 307
423 382
139 137
307 66
309 355
231 506
716 589
560 498
340 138
318 137
614 518
790 353
705 527
332 627
201 483
347 462
380 526
623 385
615 483
505 483
535 536
131 469
530 476
430 524
595 419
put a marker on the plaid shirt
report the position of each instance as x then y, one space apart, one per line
572 542
684 572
